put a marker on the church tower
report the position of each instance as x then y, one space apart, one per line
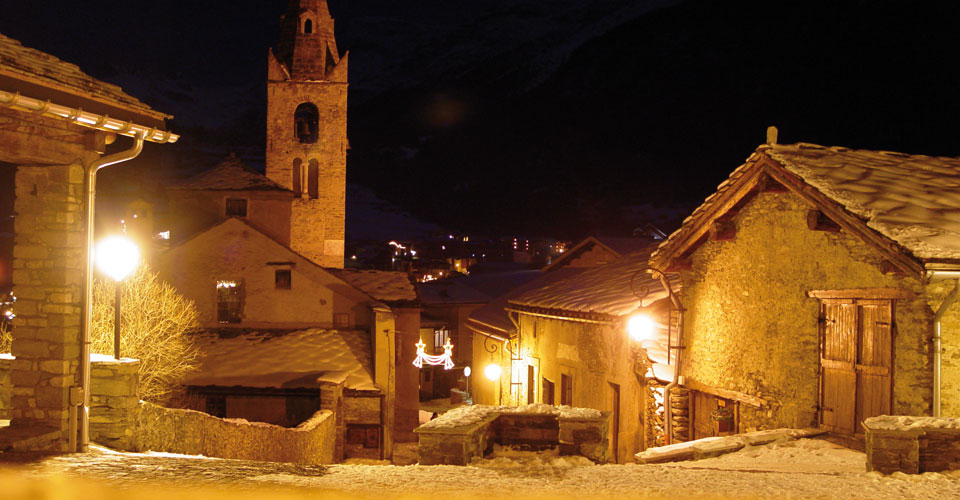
307 129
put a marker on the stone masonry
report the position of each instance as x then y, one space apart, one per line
47 277
528 431
926 445
114 402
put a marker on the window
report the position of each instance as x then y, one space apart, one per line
281 278
341 320
313 179
548 389
297 177
306 120
308 26
229 303
566 390
440 337
236 207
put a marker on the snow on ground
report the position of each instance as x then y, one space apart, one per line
799 469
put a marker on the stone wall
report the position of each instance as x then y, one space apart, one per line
950 333
530 431
47 280
751 328
195 433
912 449
113 401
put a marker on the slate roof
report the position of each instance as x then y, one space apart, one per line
492 318
296 359
34 65
914 200
231 174
472 289
614 289
387 286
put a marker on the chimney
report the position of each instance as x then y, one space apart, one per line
771 135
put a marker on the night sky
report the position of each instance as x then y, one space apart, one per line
552 118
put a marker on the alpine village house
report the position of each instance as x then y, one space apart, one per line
817 285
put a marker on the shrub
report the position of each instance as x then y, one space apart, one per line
155 326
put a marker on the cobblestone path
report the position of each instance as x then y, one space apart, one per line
124 469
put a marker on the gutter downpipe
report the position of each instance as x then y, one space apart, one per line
938 344
90 180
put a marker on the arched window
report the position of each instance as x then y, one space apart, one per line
306 121
308 26
297 177
313 179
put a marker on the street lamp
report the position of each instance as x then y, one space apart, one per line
117 256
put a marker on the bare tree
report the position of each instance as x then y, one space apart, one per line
6 321
155 327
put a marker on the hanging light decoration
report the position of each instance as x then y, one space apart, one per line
445 359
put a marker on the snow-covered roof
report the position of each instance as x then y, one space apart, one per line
493 319
388 286
911 199
231 174
475 288
614 289
32 64
912 202
280 360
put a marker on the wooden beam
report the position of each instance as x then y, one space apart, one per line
863 293
887 267
727 198
726 393
818 221
723 230
768 184
679 264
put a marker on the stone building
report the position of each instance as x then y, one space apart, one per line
814 282
307 129
494 327
573 349
55 123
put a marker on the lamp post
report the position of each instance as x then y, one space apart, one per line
117 256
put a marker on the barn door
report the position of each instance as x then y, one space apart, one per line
855 362
874 360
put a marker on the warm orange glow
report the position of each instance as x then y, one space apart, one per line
641 327
492 372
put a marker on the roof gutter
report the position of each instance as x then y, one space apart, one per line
938 332
78 116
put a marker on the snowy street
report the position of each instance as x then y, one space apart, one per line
808 468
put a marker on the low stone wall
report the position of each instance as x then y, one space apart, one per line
6 387
912 445
195 433
459 444
113 401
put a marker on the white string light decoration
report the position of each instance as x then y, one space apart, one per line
445 359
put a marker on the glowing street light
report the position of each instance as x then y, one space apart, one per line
641 327
492 372
117 256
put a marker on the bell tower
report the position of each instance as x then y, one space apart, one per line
307 129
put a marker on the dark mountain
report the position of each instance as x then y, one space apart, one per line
660 109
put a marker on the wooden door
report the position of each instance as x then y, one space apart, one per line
874 359
855 362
